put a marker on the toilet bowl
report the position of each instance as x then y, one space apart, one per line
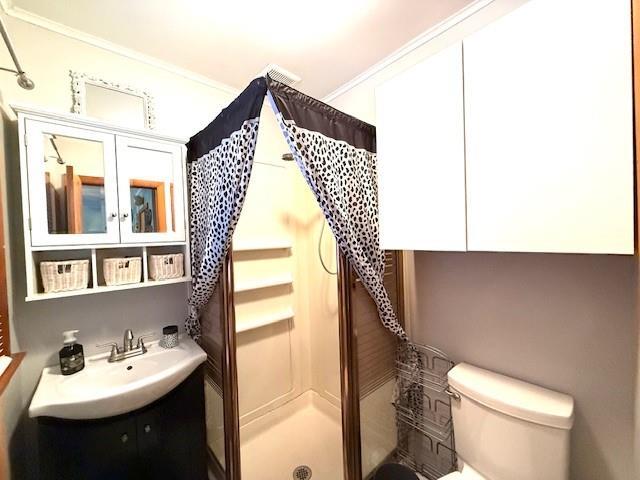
508 429
465 472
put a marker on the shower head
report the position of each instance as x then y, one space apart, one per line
287 157
25 82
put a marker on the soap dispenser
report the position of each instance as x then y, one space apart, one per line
71 355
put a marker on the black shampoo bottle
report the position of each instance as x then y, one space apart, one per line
71 355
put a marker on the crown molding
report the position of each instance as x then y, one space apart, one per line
9 9
424 37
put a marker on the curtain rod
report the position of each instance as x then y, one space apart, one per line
24 81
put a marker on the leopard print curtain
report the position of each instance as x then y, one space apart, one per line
336 153
220 159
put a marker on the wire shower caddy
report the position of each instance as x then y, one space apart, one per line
423 411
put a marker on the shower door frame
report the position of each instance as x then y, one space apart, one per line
349 382
230 397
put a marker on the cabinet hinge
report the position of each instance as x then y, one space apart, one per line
29 224
25 139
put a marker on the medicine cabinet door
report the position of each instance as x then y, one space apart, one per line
72 185
150 184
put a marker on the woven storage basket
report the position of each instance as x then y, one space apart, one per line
64 275
163 267
123 270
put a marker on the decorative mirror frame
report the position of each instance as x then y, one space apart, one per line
78 88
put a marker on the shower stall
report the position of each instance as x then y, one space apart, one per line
300 371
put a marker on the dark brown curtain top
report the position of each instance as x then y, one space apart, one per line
312 114
246 106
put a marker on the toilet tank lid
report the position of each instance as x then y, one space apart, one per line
513 397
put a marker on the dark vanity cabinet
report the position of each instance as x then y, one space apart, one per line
164 440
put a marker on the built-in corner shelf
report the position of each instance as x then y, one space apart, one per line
274 271
264 320
260 283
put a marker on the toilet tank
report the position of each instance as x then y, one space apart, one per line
507 429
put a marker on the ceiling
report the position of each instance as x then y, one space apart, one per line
326 42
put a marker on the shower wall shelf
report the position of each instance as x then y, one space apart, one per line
93 190
257 246
264 320
260 283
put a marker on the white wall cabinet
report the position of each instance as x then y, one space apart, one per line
92 191
68 168
549 130
420 124
151 174
544 162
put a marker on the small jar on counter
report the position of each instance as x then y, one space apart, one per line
169 336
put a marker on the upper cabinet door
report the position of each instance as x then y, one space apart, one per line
549 130
72 185
151 191
420 136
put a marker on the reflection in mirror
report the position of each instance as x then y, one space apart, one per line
151 191
74 185
115 105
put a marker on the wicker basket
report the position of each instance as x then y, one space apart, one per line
123 270
163 267
64 275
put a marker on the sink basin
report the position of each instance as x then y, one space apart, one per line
104 389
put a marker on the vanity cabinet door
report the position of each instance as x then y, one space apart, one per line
151 193
73 194
172 434
88 450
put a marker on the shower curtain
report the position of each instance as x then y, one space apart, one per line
337 156
219 162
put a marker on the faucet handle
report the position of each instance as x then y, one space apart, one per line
114 347
142 337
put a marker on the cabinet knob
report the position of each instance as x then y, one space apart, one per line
124 438
125 215
147 428
113 215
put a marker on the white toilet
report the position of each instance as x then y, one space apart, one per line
506 429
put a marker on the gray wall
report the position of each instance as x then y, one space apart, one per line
183 106
566 322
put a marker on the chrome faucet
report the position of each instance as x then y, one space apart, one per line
127 342
127 350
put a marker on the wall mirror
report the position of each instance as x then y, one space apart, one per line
111 101
74 185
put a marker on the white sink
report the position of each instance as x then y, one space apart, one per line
104 389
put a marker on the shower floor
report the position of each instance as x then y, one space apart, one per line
306 431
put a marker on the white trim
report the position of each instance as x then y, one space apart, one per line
42 22
417 42
83 121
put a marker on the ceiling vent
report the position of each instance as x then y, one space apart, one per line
280 74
